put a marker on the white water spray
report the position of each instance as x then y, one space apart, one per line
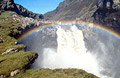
71 53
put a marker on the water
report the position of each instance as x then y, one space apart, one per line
71 46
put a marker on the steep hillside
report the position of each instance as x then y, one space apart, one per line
86 10
9 5
107 17
9 51
71 9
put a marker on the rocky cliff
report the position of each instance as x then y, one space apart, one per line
71 9
75 9
9 5
108 17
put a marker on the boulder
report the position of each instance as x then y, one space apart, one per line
2 76
13 73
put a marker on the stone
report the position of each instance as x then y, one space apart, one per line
2 76
13 73
11 50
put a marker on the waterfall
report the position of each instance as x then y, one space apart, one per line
71 53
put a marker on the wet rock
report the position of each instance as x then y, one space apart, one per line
32 58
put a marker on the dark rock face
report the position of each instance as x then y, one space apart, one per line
71 9
23 11
108 17
9 5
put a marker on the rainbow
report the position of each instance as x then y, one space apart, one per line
71 22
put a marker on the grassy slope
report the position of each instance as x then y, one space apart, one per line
57 73
12 61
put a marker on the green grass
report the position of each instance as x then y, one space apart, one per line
7 27
12 61
83 9
6 15
66 12
15 61
57 73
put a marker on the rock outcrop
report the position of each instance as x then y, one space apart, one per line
25 24
9 5
11 50
107 17
14 49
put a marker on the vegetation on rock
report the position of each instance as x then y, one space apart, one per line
56 73
12 56
14 61
71 9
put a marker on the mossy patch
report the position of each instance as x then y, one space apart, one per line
8 27
15 61
57 73
6 15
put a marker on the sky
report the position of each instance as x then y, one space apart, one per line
39 6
